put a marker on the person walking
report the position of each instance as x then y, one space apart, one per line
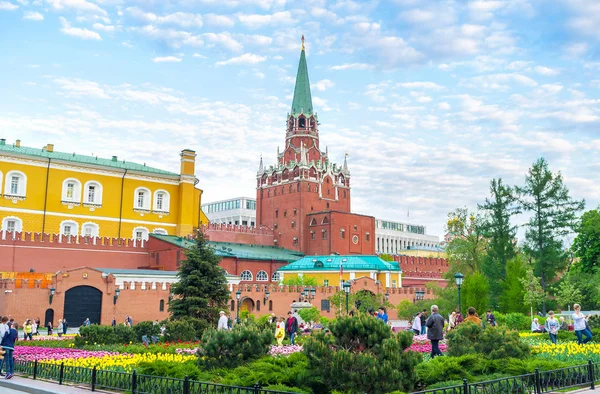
37 326
381 315
435 331
563 324
490 318
8 344
66 325
49 325
27 330
59 328
452 321
423 320
416 326
552 327
114 322
4 329
280 330
291 327
222 325
579 322
87 322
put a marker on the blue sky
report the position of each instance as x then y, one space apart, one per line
430 99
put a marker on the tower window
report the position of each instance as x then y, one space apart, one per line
367 236
285 214
342 233
276 213
293 224
295 211
295 241
324 232
302 123
313 236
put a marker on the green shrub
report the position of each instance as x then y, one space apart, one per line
147 328
518 321
309 314
231 348
492 342
199 325
95 334
263 323
500 318
179 330
446 369
594 322
362 355
325 321
173 370
124 334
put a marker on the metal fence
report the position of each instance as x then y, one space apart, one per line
533 383
97 379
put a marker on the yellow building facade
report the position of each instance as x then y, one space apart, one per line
45 191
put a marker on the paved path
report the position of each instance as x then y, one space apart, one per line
24 385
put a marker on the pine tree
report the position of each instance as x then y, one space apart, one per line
513 291
586 245
497 228
201 290
554 214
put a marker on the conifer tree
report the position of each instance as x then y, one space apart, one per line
201 290
553 215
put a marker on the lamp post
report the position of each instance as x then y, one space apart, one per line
52 292
117 292
459 280
347 291
387 296
313 293
238 295
267 294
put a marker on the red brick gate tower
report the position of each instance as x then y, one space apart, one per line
304 182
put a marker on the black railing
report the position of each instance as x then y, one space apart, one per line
133 383
533 383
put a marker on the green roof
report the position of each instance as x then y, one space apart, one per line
81 159
302 102
244 251
348 263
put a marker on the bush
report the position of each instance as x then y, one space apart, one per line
179 330
173 370
147 328
309 314
492 342
124 334
518 321
224 348
95 334
362 355
447 369
594 322
199 325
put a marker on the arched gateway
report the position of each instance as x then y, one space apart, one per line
82 302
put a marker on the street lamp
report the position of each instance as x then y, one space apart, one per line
346 286
387 296
238 295
459 280
313 293
117 292
267 294
52 292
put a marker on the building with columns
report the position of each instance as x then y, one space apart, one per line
398 238
238 211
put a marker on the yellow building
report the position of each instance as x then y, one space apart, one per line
54 192
327 269
436 252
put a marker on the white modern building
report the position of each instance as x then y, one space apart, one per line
394 237
239 210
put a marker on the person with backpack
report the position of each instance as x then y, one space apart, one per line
8 344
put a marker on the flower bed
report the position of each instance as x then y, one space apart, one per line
284 350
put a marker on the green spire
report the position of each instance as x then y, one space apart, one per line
302 102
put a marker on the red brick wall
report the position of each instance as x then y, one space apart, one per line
352 224
240 234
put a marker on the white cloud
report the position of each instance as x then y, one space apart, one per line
484 9
444 106
421 85
127 44
33 16
80 88
352 66
166 59
182 19
7 6
246 58
225 40
140 15
199 56
576 49
106 28
77 32
546 71
518 65
330 16
77 5
257 21
322 85
218 20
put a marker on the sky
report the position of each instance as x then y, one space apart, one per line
430 99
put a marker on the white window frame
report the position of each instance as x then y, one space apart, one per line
95 229
76 190
21 187
97 193
246 275
142 229
18 223
1 179
166 202
147 200
262 276
275 277
160 231
74 227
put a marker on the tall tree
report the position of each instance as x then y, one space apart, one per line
201 290
475 293
586 245
466 250
513 291
553 215
567 294
496 227
533 293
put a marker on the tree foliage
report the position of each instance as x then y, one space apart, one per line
475 292
467 249
496 227
553 215
491 342
513 291
586 245
533 293
309 314
362 301
201 290
406 310
567 293
362 356
301 281
386 257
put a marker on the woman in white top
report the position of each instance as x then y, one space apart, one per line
580 326
416 326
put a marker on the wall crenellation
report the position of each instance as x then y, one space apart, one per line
28 238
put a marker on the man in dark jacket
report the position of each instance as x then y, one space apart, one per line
435 331
423 318
291 327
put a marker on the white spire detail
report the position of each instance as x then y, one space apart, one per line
345 168
303 155
261 167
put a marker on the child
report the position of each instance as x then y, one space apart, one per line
552 326
280 331
8 343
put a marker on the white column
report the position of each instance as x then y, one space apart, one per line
352 275
388 279
399 279
373 275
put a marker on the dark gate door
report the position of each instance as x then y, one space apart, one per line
49 317
82 302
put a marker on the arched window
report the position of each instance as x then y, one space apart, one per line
257 305
160 231
232 307
12 224
16 184
140 234
275 277
89 230
301 122
262 276
141 198
342 233
246 275
161 201
71 190
161 306
92 193
324 232
69 227
270 305
313 222
325 220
